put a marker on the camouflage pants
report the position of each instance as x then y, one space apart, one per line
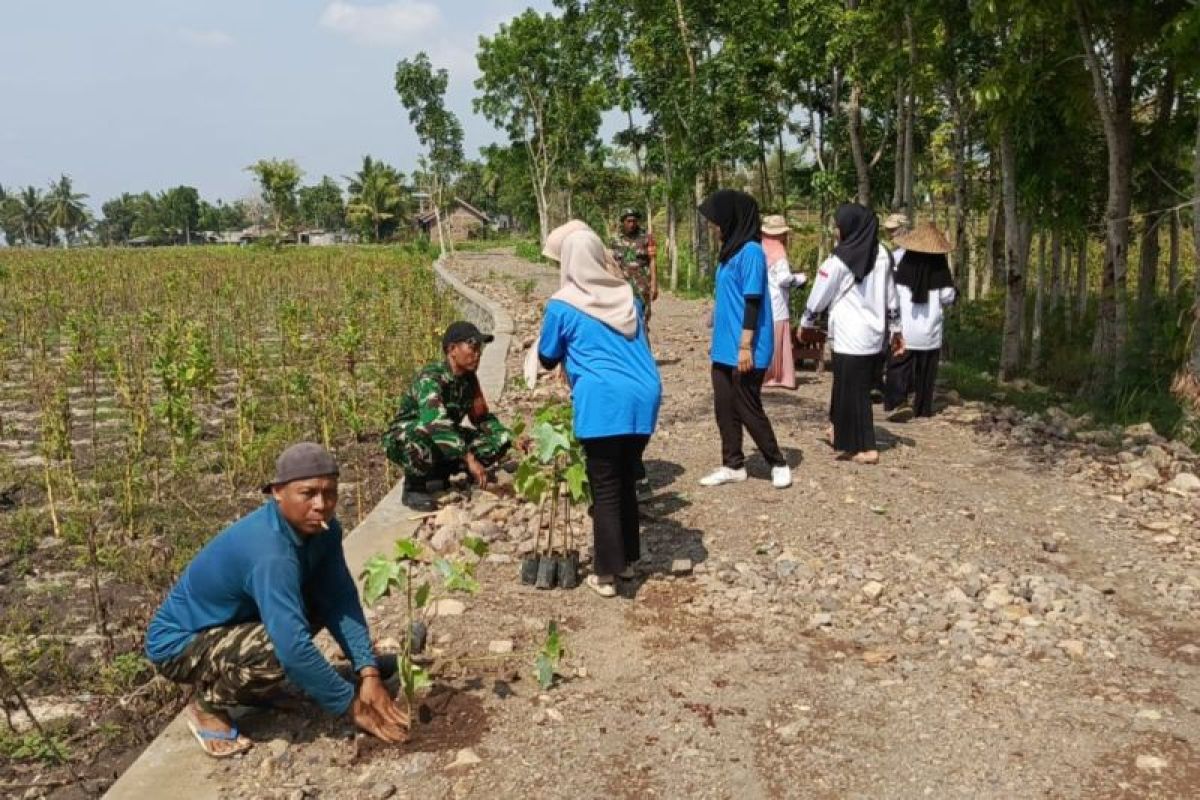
234 665
429 453
640 283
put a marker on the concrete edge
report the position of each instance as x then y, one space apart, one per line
173 763
491 318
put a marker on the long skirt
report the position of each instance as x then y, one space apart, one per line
850 403
782 370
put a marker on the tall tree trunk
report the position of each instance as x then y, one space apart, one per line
1114 101
1016 235
1187 382
910 116
1148 267
1039 307
762 172
783 196
857 149
672 216
994 274
962 242
1081 278
898 172
1173 254
699 228
1056 268
861 170
1068 310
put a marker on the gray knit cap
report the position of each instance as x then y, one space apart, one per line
300 461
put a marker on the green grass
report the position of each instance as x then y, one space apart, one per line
529 250
1139 392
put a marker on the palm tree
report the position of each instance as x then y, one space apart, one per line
65 209
32 216
8 215
376 197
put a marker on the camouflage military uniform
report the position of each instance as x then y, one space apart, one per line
427 437
233 665
633 256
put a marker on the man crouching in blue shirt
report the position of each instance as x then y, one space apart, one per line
241 618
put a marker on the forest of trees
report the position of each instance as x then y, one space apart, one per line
1056 141
375 204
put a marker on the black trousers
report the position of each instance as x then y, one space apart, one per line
612 469
913 373
737 402
850 403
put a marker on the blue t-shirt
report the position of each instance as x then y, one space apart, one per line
259 569
744 275
615 388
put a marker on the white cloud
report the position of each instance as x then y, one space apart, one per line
214 39
398 22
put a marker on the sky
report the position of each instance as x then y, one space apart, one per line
142 95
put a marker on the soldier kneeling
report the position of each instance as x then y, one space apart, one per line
427 437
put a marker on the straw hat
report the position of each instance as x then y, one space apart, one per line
925 238
775 225
895 221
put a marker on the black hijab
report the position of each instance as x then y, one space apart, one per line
736 214
922 272
860 238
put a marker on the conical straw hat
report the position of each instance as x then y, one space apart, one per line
925 238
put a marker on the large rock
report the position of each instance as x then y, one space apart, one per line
1142 433
1157 456
1184 483
448 538
483 503
1142 475
452 515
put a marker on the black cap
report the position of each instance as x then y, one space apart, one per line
462 332
630 212
301 461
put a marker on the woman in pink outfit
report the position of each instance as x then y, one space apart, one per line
780 281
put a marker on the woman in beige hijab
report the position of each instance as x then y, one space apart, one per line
595 330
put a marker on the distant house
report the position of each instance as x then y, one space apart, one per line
323 238
461 221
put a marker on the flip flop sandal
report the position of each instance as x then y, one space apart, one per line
205 736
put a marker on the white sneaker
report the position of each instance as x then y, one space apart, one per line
723 475
781 477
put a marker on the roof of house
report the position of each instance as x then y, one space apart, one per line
429 216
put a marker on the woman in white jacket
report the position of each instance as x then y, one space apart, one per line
925 287
856 285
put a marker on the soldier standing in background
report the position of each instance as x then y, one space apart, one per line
427 437
635 252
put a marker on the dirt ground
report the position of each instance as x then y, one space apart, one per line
997 610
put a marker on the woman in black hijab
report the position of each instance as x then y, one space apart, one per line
856 285
743 339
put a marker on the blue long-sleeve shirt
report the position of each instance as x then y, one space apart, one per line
260 569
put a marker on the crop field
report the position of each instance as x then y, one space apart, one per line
143 398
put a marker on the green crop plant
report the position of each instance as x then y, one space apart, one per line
147 392
400 573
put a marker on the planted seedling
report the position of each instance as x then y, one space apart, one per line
383 575
548 656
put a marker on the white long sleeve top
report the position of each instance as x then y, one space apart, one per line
780 281
922 322
859 313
